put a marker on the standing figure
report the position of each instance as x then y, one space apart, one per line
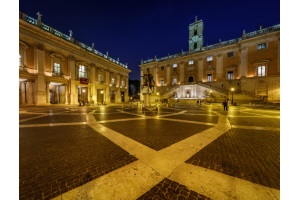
225 105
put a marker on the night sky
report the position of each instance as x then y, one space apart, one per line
135 30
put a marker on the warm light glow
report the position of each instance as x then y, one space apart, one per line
83 90
157 93
232 89
101 91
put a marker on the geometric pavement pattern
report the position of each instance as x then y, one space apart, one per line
122 152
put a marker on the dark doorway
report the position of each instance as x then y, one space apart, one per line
122 97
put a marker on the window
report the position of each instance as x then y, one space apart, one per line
261 70
174 65
82 71
191 62
174 81
123 83
20 60
112 81
209 77
209 58
100 78
195 45
230 75
230 54
262 46
162 68
162 82
195 32
22 54
56 68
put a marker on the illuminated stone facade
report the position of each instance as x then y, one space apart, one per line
54 68
246 68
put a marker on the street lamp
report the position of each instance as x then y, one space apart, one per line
232 89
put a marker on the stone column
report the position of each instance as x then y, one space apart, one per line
67 100
22 93
181 73
30 92
156 75
25 91
107 95
93 91
219 67
168 75
72 85
47 94
200 70
142 74
39 58
243 71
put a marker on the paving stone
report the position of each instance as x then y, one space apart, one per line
154 133
171 190
243 154
56 159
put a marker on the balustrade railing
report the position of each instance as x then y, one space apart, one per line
47 28
220 44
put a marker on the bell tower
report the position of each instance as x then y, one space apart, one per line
195 35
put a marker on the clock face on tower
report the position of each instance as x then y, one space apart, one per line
195 38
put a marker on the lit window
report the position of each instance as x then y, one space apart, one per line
230 75
112 80
230 54
123 83
191 62
261 70
209 77
100 78
56 68
261 46
174 81
20 60
162 82
209 58
174 65
82 71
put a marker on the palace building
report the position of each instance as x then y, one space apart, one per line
245 69
54 68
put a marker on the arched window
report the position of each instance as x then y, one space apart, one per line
191 79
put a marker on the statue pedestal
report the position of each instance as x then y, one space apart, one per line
147 105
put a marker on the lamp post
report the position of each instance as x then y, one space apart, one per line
232 89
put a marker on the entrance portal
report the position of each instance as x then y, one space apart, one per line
112 96
82 94
100 96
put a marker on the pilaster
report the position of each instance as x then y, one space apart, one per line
181 72
244 62
200 69
219 67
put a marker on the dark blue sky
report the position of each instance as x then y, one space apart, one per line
135 30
